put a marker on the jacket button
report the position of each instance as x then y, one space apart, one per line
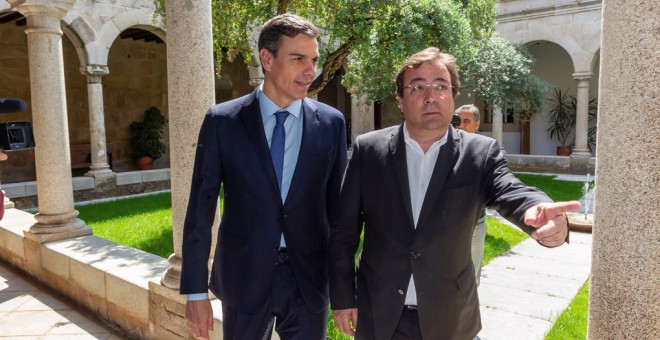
401 291
276 247
414 255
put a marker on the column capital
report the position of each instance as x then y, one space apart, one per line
582 75
94 72
51 8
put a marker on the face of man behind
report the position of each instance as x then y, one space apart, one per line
468 123
289 74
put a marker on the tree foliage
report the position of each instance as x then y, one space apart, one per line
373 37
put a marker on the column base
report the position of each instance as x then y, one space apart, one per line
100 172
8 203
42 233
171 278
580 161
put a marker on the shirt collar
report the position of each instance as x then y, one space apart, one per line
408 140
269 108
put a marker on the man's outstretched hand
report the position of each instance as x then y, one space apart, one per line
550 222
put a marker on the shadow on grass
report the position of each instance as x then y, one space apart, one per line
160 244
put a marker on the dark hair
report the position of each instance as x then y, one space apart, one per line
284 24
429 55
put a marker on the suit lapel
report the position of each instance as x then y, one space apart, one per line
250 116
398 152
447 157
311 125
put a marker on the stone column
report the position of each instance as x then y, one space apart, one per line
624 298
362 116
496 120
580 155
56 219
256 74
99 167
190 93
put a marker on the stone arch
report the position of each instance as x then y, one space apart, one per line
78 43
138 18
595 60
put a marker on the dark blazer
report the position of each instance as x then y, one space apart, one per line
232 151
470 173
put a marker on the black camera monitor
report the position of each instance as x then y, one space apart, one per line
16 135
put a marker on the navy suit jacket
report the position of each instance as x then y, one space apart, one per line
233 152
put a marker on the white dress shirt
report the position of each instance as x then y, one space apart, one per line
420 169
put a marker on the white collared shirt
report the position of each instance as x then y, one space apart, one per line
420 169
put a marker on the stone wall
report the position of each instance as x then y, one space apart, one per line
15 83
137 81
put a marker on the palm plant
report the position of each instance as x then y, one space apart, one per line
562 117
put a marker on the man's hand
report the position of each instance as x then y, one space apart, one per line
343 319
199 318
550 222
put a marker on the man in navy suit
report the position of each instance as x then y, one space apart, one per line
270 262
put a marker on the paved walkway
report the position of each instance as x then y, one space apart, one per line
523 291
26 312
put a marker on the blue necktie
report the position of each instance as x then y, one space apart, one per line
277 145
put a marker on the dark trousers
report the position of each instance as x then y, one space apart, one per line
408 327
285 309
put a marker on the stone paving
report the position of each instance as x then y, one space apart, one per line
523 291
27 312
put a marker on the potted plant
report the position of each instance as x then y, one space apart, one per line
146 137
562 121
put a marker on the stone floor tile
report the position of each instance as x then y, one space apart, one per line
541 306
77 323
498 325
538 283
10 301
16 284
42 301
32 323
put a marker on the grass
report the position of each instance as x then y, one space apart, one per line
145 223
500 237
557 190
572 323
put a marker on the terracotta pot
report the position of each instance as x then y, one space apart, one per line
145 163
564 151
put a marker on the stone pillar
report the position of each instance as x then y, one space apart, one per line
57 219
497 120
580 155
190 93
99 167
362 116
256 74
624 298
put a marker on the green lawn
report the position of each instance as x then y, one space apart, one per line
557 190
146 223
143 222
572 323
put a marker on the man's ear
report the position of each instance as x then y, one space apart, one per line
266 59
